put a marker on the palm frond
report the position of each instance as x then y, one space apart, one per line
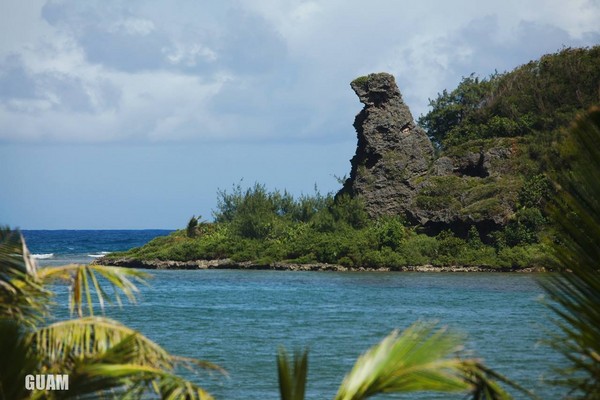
116 371
485 382
423 358
16 360
22 295
84 279
85 338
416 359
101 354
133 379
575 290
292 374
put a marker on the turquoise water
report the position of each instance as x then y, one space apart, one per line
238 318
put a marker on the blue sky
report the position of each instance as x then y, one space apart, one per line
131 114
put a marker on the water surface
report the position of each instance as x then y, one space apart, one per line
238 318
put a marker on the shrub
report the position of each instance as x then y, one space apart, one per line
191 227
390 232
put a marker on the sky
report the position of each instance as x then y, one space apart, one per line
133 114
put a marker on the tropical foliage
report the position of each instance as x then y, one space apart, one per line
100 355
263 226
534 100
575 291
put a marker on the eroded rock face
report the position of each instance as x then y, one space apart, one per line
392 150
395 170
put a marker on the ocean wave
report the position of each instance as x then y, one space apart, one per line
42 256
101 254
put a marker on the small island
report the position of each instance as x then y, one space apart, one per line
462 189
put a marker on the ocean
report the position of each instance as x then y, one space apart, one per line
237 319
60 247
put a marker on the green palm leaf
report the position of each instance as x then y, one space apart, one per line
139 379
422 358
417 359
575 290
22 295
17 360
101 354
85 338
85 278
292 374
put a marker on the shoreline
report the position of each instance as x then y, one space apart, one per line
283 266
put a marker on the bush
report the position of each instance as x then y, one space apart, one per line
419 249
522 256
390 232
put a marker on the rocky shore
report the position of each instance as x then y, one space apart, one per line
282 266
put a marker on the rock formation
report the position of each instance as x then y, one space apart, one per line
395 170
392 150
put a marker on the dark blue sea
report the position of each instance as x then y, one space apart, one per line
237 319
59 247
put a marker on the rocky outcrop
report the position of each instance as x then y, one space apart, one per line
395 170
282 266
392 150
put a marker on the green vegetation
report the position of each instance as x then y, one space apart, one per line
192 226
361 81
256 225
535 100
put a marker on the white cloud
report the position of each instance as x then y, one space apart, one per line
189 55
109 71
133 26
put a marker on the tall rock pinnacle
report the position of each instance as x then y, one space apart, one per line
392 150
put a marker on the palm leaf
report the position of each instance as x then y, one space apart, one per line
84 338
131 380
22 296
116 371
84 279
292 374
417 359
422 358
16 360
484 382
575 290
101 354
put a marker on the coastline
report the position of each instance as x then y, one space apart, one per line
283 266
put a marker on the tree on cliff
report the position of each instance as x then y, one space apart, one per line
450 109
535 99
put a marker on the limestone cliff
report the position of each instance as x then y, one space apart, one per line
396 172
392 150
